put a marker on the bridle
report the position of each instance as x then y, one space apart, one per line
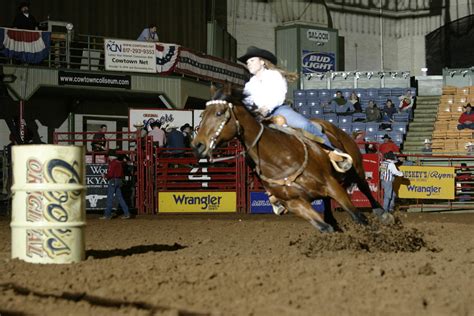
228 114
287 181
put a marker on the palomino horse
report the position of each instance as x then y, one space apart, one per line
293 170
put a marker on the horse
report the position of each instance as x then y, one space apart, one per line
294 170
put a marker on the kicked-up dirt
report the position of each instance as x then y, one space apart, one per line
251 265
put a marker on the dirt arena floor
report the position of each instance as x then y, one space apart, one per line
251 265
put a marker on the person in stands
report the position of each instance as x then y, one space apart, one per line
388 172
372 112
406 103
114 178
149 34
388 145
387 115
24 19
427 147
159 136
466 120
355 101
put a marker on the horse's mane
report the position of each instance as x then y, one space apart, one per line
228 93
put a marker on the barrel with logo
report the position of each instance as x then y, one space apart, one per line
48 209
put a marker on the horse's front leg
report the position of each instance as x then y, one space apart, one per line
304 209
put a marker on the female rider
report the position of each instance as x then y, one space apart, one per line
266 90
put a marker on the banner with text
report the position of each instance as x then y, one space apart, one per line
318 62
129 56
427 182
175 118
259 204
96 195
197 202
103 80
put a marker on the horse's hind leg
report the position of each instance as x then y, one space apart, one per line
338 193
303 209
329 216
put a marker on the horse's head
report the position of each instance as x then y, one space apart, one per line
218 124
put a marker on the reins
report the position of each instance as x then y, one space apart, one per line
287 181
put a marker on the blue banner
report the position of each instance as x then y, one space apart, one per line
318 62
259 204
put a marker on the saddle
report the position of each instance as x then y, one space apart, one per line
341 161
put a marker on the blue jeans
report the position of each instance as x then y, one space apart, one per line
296 120
114 189
389 195
463 126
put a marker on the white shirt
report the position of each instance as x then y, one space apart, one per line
267 91
389 171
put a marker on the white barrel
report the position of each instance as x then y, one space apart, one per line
48 210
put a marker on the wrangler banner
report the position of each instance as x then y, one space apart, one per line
197 202
423 182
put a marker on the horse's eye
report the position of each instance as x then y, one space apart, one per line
218 113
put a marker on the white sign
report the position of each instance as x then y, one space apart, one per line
175 118
131 56
318 36
197 117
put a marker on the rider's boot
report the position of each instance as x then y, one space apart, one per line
278 208
341 161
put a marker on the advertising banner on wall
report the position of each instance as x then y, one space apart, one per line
317 62
176 118
129 56
197 202
259 204
96 194
371 167
427 182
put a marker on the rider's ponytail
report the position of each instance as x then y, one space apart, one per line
289 76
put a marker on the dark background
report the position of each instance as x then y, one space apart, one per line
181 22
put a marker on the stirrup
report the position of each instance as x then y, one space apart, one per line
344 165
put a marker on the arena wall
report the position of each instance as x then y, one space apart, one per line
404 30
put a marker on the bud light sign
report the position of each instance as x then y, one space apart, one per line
259 204
318 62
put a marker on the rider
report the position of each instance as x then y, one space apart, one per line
266 90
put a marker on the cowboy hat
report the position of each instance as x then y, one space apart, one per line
427 141
468 105
253 51
185 126
390 155
468 144
138 124
386 136
170 127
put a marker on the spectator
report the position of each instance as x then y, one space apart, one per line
387 115
388 145
355 101
404 161
427 146
114 178
388 172
175 139
187 131
99 143
466 120
372 112
24 20
406 102
139 126
149 34
463 179
359 138
159 136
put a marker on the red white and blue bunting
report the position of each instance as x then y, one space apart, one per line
24 45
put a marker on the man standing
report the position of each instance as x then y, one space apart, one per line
114 177
159 137
187 131
388 145
24 20
388 172
98 140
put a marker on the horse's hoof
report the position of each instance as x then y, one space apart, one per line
326 228
360 218
387 218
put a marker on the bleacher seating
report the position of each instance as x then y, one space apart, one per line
316 103
446 137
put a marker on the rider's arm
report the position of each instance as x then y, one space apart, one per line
266 92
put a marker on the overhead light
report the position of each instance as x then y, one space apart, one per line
344 75
8 78
333 75
357 74
309 77
370 74
394 75
452 73
406 73
464 72
320 76
381 74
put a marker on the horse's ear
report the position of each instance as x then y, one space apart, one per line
227 88
213 90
